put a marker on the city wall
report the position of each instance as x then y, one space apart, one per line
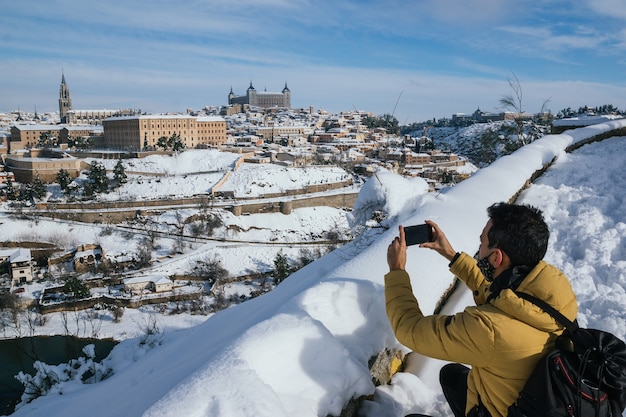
117 211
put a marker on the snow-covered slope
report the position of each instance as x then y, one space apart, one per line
482 143
302 350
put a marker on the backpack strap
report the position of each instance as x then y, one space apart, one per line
571 326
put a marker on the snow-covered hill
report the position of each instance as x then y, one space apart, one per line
483 143
303 349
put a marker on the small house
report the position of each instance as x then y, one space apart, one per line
87 257
19 263
138 285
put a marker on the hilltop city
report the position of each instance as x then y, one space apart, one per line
56 166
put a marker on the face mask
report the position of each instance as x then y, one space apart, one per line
485 267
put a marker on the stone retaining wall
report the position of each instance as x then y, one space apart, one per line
115 212
119 302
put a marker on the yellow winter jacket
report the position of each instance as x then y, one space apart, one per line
501 340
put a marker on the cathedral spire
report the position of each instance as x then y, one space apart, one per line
65 102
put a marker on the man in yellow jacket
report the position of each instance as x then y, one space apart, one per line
501 338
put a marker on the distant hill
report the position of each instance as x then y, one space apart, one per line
483 143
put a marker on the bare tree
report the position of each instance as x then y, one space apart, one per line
179 244
33 319
65 321
95 322
151 331
10 310
118 312
513 102
144 252
77 320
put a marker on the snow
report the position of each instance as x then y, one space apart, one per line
258 180
302 349
158 177
190 161
167 177
584 120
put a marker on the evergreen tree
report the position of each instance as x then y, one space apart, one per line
162 142
390 123
47 140
87 189
386 121
10 190
26 193
176 143
64 179
76 288
119 174
81 142
98 175
281 267
39 189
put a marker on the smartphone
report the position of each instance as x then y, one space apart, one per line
414 235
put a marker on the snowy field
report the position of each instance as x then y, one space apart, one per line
188 162
252 180
197 171
302 349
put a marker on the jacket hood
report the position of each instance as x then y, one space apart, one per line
547 283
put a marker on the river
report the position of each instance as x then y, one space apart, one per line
20 354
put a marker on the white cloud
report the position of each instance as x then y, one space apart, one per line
610 8
469 12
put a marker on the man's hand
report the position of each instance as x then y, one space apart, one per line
440 242
396 252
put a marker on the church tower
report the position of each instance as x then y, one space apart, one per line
65 102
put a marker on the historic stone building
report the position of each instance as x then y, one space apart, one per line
95 117
142 132
25 169
27 136
262 99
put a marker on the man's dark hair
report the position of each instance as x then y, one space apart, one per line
520 231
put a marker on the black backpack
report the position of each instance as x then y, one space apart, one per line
584 376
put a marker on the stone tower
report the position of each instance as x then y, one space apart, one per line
65 102
251 94
287 96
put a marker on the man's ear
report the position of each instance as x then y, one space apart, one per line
499 257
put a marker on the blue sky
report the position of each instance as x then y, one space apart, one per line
423 58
